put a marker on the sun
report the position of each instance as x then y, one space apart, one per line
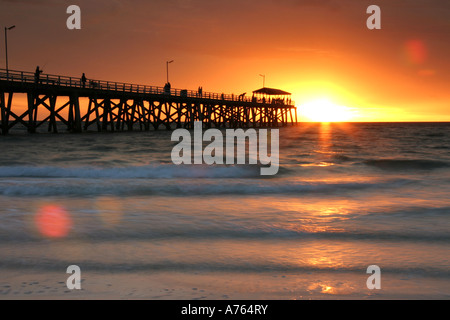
323 110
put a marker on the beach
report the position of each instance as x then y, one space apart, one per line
346 196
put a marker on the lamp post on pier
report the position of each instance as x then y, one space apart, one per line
264 80
6 47
167 69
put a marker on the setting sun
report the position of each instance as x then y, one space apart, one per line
323 110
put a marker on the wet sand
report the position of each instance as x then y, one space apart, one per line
215 286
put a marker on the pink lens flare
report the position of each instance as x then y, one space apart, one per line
416 51
53 221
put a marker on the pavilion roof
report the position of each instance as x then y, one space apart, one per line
271 92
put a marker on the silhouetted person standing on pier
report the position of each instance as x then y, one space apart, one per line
83 80
37 74
167 87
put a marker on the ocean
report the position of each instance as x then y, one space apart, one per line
346 196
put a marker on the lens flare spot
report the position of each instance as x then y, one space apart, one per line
416 52
53 221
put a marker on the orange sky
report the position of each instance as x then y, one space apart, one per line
314 49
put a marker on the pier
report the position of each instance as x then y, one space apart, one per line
87 104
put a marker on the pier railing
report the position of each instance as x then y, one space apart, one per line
92 84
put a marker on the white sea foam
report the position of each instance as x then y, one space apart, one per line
132 172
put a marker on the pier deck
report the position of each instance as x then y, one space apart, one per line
116 106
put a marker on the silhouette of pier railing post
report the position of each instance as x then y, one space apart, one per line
116 106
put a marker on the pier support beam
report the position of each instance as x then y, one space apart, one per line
5 107
74 121
32 112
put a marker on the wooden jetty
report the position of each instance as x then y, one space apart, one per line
80 104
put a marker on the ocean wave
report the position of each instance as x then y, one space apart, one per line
133 172
231 265
183 187
232 232
405 164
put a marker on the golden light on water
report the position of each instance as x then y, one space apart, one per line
327 289
110 211
331 289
